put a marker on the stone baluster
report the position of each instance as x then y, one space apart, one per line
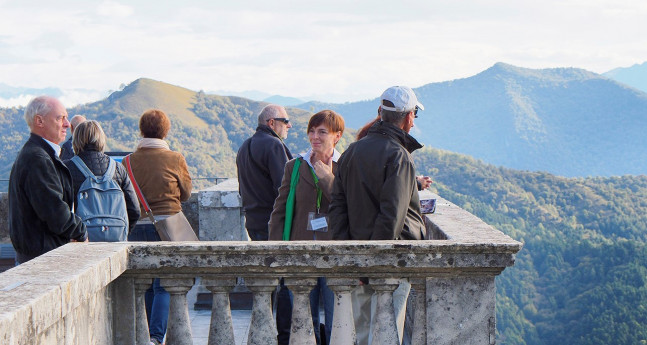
141 323
221 330
179 324
343 327
262 328
301 329
385 331
124 310
419 287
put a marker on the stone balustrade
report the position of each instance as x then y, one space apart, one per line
91 293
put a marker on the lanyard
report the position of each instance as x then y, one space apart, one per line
319 191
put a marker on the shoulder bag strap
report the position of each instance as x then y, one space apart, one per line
138 191
289 204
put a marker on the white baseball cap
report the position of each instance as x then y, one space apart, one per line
403 99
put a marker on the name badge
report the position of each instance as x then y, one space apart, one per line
317 222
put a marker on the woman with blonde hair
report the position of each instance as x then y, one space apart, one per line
89 142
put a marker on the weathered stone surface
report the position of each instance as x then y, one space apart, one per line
220 213
460 310
56 297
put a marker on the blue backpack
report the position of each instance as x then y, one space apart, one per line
101 205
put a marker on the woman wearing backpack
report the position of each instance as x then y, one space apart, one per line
163 178
88 142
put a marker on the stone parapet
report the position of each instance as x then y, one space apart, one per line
86 293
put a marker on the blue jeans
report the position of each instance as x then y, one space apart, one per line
321 290
157 299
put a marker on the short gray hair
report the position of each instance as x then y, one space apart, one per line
40 105
270 111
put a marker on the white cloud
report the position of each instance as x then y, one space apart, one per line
114 9
299 49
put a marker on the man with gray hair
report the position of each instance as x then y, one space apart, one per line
40 186
260 162
67 152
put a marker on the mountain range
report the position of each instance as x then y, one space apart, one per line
565 121
582 275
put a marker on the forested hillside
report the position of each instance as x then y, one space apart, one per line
207 129
566 121
581 277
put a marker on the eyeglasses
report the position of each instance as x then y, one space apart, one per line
282 119
415 112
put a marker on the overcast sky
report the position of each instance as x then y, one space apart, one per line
334 50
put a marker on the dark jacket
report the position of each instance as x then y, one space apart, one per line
260 163
98 162
375 195
67 151
40 202
304 203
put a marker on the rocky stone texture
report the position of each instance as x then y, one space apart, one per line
87 293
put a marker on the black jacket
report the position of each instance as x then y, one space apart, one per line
375 195
260 162
98 162
40 202
67 151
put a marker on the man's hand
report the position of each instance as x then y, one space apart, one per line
425 181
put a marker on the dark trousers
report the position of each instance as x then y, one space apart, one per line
283 314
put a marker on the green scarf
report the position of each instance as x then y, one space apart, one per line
289 204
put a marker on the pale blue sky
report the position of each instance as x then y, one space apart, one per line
336 50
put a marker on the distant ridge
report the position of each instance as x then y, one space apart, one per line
566 121
634 76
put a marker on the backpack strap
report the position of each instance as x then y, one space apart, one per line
110 172
82 167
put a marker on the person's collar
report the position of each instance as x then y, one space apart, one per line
153 143
410 143
56 147
269 129
306 156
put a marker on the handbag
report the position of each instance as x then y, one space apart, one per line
172 228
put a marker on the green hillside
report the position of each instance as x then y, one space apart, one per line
566 121
581 277
207 129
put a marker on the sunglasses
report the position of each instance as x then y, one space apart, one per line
415 112
282 119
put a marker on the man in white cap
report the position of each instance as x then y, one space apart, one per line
375 194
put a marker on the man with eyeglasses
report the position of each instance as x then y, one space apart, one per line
260 163
375 195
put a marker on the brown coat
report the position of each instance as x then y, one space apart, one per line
305 202
163 177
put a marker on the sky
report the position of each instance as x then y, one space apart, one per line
335 50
